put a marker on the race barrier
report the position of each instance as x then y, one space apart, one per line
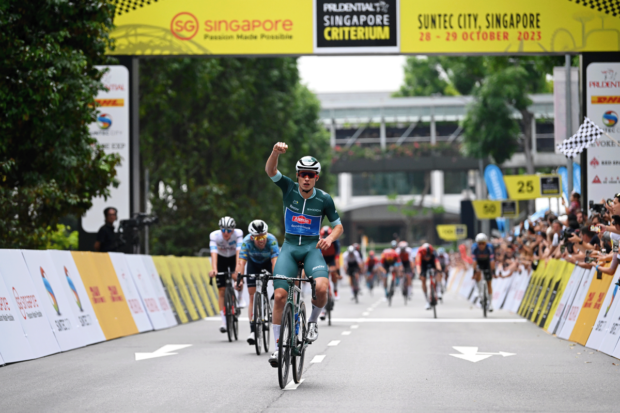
55 301
565 300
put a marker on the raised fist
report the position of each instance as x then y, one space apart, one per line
280 148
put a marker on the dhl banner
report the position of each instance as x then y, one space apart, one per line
192 269
166 277
191 284
204 264
566 269
547 285
132 297
184 288
281 27
160 291
590 308
105 294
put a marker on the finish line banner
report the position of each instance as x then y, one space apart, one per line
303 27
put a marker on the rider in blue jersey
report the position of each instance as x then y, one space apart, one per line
484 261
260 250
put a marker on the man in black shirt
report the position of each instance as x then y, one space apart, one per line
106 238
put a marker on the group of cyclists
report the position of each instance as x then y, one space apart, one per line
318 248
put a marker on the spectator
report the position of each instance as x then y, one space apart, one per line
575 204
106 238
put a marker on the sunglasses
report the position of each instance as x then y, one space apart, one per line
260 237
308 174
227 231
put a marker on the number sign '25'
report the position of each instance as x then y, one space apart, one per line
521 187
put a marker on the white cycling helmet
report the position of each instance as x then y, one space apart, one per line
351 248
403 244
227 223
481 238
308 163
257 227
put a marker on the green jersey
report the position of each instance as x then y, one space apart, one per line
303 217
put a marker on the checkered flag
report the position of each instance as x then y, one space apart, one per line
588 132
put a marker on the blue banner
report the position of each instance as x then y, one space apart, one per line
495 182
576 178
301 224
563 172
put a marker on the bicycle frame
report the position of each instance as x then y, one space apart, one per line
293 297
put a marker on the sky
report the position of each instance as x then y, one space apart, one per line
352 73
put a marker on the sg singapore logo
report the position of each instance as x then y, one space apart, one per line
184 26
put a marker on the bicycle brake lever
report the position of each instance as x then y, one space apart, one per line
238 279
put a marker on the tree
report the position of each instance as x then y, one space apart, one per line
207 128
49 165
423 77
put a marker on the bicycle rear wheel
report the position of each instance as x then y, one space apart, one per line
300 341
434 299
485 299
229 315
391 293
330 306
235 316
355 288
266 323
284 355
257 318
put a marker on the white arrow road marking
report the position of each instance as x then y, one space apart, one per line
162 352
318 359
334 343
472 354
293 386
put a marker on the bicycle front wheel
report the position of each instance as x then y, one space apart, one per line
300 337
434 299
235 315
485 299
229 315
257 319
266 323
284 353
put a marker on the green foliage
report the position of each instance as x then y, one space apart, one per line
207 129
414 151
61 239
49 165
422 78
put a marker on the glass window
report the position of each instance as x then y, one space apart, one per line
386 183
454 182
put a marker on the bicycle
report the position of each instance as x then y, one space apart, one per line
430 274
483 289
355 285
293 328
262 312
391 282
329 306
405 287
231 308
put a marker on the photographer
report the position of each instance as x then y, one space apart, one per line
106 238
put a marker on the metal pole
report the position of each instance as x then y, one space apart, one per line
485 224
134 96
569 124
146 209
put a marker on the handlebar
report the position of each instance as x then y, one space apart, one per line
309 279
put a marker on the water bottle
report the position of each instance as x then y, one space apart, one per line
296 323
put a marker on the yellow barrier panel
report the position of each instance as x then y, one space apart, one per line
554 301
205 267
203 289
105 294
590 309
531 287
166 277
553 276
542 284
179 281
199 299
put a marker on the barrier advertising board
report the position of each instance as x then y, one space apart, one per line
191 267
105 294
178 266
160 292
145 287
28 302
591 307
14 345
280 27
171 289
604 319
205 267
561 312
56 305
75 290
572 313
132 296
182 287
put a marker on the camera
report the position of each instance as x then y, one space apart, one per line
129 229
598 208
589 260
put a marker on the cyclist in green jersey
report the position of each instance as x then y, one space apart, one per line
304 209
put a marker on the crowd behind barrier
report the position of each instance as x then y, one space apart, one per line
53 301
559 272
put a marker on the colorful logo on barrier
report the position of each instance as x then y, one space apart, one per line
104 121
184 26
25 302
610 118
594 163
302 220
50 292
72 286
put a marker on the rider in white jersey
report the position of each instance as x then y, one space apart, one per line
224 244
353 264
